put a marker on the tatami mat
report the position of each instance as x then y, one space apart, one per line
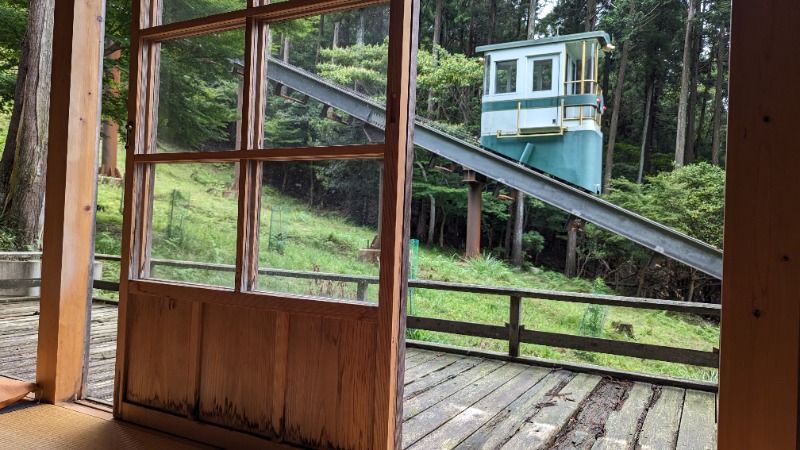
53 427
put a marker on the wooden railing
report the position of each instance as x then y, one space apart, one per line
513 331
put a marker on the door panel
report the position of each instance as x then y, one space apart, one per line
240 367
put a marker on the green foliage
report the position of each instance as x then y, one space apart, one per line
455 81
593 320
13 21
199 88
532 242
361 67
689 199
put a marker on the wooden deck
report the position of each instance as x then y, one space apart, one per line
453 401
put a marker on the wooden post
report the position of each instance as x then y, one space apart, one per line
758 399
515 312
400 97
70 192
362 290
475 183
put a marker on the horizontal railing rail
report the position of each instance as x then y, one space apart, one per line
513 331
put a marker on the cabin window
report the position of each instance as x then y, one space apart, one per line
505 77
543 75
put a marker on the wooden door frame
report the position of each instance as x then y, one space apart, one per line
396 152
758 396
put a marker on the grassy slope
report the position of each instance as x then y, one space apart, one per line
204 217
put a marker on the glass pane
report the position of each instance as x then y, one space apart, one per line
199 93
506 74
178 10
543 75
348 53
319 228
194 223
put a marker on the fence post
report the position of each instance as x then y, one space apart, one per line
362 290
515 311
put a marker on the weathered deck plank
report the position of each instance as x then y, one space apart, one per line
422 402
540 430
622 425
430 380
698 429
428 367
469 420
432 418
660 429
505 424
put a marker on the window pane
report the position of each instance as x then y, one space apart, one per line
199 93
178 10
319 228
345 76
194 221
506 77
543 75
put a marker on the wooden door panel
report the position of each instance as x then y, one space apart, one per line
237 368
158 338
323 407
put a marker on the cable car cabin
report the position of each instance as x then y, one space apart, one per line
542 105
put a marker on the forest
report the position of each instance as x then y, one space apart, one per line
665 89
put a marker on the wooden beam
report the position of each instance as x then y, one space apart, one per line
758 402
70 193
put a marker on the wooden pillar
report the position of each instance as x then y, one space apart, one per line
474 205
758 400
70 196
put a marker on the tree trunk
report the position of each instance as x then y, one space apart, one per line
472 30
516 240
646 127
690 152
692 285
287 43
441 229
715 140
509 226
533 5
24 202
591 13
492 20
612 128
432 215
9 152
335 43
571 266
437 35
701 123
360 29
683 102
108 158
320 33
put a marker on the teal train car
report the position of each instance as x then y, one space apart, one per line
542 105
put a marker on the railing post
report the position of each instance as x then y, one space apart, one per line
362 290
515 312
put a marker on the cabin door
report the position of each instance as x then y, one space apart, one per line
545 109
259 303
